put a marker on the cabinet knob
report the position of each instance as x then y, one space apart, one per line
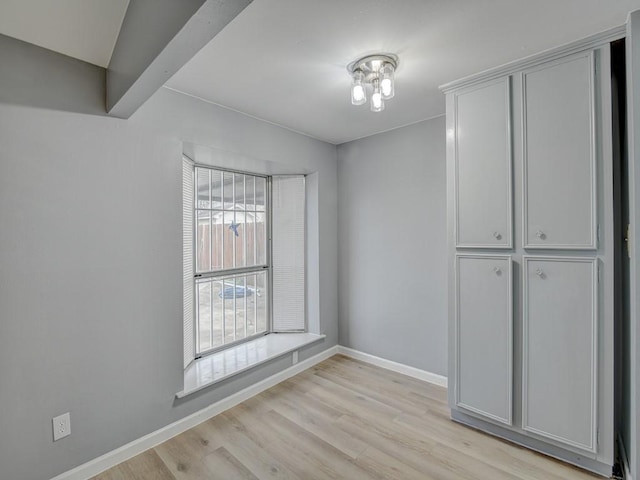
541 235
498 270
497 235
540 273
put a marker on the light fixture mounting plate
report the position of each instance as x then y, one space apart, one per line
370 65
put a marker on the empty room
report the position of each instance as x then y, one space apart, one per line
305 239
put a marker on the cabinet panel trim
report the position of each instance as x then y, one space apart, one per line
508 258
593 244
593 445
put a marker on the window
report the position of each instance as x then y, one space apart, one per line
234 278
232 267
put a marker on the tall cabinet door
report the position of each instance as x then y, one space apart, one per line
559 155
483 166
560 349
484 342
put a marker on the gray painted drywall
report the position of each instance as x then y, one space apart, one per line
392 245
631 400
91 271
31 75
156 39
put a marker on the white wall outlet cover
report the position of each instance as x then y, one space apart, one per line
61 426
295 357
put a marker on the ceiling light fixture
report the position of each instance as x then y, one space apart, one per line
377 71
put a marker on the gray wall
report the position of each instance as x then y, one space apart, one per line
31 75
392 245
91 274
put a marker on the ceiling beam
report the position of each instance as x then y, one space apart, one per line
156 39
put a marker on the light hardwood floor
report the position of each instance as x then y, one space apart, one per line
341 419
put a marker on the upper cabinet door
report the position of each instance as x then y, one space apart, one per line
483 166
559 155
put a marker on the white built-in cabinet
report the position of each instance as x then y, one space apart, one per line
530 210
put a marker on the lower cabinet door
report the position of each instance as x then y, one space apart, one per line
560 342
484 339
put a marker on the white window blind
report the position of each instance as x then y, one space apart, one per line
187 259
288 249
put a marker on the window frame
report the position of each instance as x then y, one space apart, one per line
231 272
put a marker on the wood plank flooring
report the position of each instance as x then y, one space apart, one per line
342 419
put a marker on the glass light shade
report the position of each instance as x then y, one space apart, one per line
377 103
358 92
386 83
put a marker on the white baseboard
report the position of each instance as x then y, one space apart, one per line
113 458
625 459
434 378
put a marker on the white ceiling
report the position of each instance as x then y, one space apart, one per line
285 60
83 29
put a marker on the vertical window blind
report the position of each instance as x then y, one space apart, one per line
187 259
288 248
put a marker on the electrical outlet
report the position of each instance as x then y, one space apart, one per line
295 357
61 426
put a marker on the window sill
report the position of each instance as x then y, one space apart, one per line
219 366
